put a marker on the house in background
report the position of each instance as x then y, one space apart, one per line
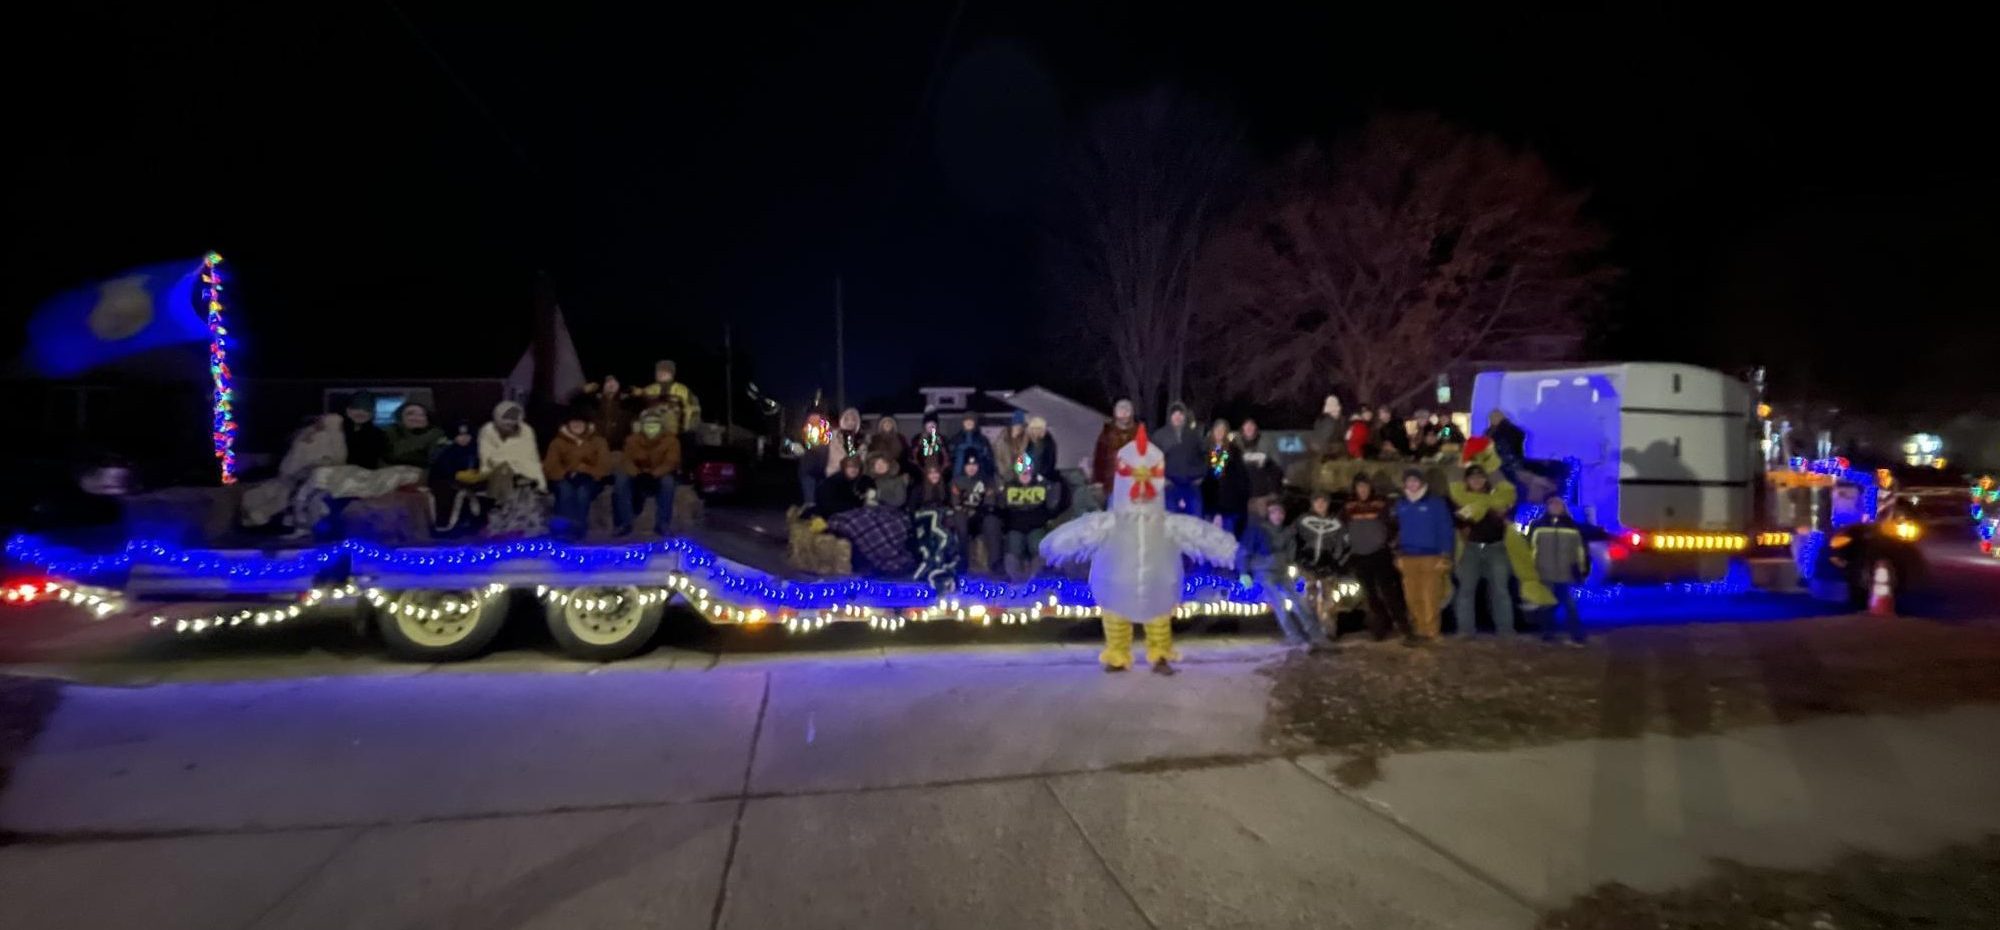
1074 424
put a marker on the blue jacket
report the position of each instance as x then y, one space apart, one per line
1424 525
971 444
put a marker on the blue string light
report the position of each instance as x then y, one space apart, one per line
764 590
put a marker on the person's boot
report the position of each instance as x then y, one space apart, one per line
1163 667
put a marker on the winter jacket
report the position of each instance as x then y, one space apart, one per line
927 496
1186 452
404 446
611 414
517 452
365 444
840 493
1484 513
929 454
1396 433
659 456
1043 452
585 454
683 409
1561 557
452 459
1329 436
1260 462
1322 541
891 446
1028 507
1226 487
972 444
1358 431
1509 440
1267 550
1367 525
973 494
891 490
1007 450
1104 458
1424 526
842 444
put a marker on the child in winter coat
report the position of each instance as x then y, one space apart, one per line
928 449
1563 561
846 490
970 443
892 488
454 479
1027 506
887 442
1225 491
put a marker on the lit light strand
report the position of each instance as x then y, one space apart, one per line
222 424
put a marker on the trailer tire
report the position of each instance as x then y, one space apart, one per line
411 632
586 627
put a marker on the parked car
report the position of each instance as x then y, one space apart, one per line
717 471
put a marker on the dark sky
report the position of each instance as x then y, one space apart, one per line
385 180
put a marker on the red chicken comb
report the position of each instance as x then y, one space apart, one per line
1140 439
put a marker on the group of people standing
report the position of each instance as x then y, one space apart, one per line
498 478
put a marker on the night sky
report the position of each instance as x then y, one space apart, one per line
387 180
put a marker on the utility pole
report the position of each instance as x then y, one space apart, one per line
839 350
728 384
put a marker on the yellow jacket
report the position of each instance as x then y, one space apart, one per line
683 408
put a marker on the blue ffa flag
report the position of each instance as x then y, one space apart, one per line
142 309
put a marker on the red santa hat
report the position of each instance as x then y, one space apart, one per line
1473 448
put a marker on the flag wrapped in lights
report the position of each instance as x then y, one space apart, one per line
222 426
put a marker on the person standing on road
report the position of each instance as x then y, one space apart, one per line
1424 542
1187 462
1483 511
1563 561
1373 564
1266 557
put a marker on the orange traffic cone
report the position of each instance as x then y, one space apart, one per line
1882 596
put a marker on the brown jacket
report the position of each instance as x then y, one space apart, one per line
588 454
659 456
1104 458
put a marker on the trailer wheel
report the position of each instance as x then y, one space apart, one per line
602 624
439 626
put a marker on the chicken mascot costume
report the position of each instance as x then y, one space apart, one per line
1134 550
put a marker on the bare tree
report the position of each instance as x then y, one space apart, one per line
1391 258
1138 194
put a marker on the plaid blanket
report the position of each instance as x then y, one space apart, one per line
880 536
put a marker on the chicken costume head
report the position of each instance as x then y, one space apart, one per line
1141 477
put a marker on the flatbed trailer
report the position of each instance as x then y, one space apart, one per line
600 601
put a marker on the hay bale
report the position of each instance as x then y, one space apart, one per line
183 516
810 548
396 519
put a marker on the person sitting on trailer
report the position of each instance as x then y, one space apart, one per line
454 482
845 491
652 458
578 463
511 464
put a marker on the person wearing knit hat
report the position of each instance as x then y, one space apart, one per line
1041 449
1119 430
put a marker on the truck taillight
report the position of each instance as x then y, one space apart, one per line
1690 542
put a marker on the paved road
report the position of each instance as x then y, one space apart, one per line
988 787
